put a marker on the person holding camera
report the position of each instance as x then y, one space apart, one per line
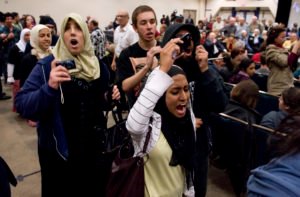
66 94
207 93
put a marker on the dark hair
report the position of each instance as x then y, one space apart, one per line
273 33
246 93
245 63
46 20
141 9
8 14
24 21
2 17
94 22
236 51
291 98
289 144
263 59
14 14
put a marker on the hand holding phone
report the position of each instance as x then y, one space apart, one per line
186 38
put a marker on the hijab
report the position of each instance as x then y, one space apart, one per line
22 43
34 42
87 64
179 132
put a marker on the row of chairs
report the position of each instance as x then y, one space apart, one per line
262 80
240 147
266 102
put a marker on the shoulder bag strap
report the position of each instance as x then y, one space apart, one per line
147 137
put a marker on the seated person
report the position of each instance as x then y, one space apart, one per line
289 103
281 176
245 70
243 100
213 46
255 41
263 69
232 61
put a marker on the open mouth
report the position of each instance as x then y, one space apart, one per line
188 51
181 109
150 34
74 42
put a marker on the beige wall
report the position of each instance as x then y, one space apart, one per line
294 14
215 5
103 10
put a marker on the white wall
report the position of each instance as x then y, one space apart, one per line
215 5
294 14
103 10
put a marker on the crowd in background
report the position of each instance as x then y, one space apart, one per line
236 52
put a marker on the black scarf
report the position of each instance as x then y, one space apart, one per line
179 132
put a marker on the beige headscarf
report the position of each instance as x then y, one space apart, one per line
34 42
87 64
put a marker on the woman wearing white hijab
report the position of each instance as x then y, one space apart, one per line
16 53
14 61
40 40
68 103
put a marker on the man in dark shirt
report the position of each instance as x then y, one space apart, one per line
138 59
10 35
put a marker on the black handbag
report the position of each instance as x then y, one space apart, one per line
126 178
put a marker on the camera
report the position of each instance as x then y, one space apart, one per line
186 38
68 64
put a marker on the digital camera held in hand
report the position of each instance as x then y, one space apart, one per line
68 64
186 38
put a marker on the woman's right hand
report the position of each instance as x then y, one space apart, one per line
169 54
58 75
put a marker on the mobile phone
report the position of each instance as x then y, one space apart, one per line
186 38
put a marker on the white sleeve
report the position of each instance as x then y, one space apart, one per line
139 116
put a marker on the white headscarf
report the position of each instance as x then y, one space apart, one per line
21 43
87 64
34 42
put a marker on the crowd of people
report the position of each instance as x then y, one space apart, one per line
171 80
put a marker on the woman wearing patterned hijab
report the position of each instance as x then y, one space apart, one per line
66 95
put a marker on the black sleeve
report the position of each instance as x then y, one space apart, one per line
13 55
27 64
124 66
209 94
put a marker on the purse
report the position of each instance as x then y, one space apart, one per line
126 178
